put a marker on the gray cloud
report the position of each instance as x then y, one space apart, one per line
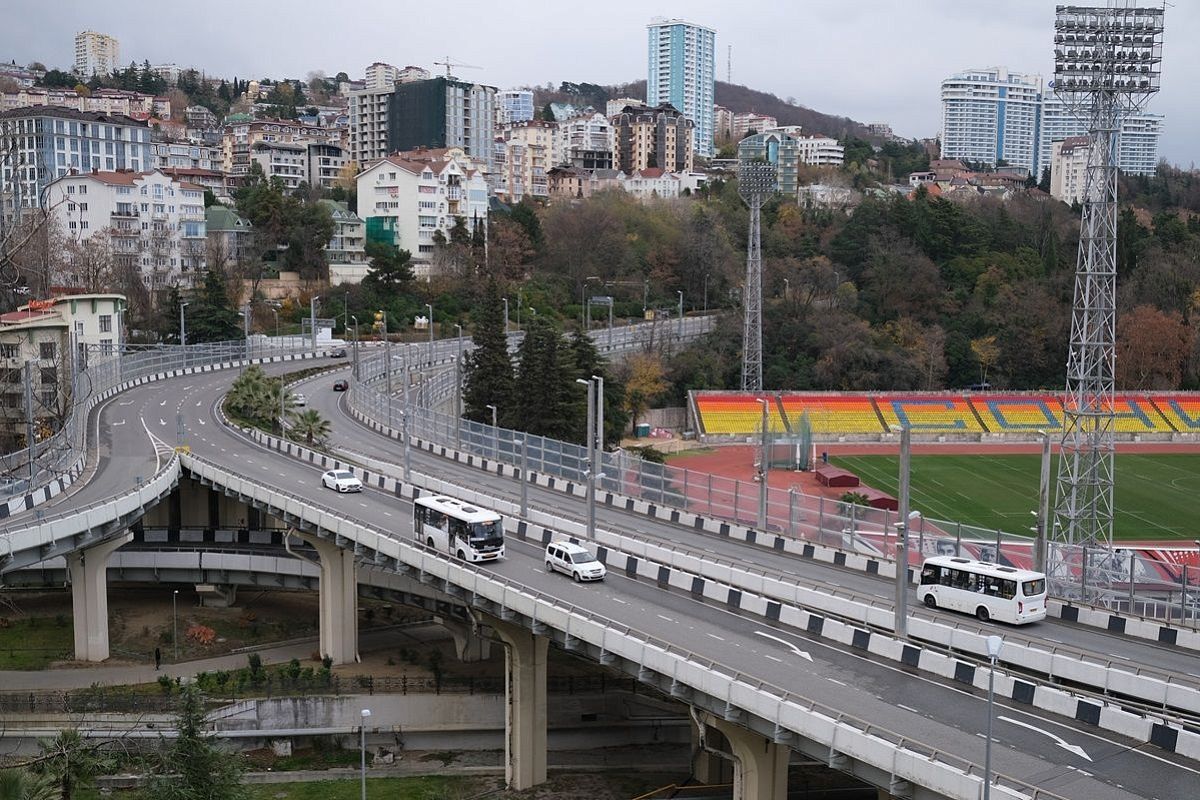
873 60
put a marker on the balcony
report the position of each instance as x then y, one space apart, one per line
454 193
125 213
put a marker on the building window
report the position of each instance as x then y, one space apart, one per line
46 350
49 396
8 351
105 323
49 376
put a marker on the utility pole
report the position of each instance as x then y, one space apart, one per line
312 315
30 438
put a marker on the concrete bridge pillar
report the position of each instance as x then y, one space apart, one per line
88 569
525 707
469 645
338 600
760 766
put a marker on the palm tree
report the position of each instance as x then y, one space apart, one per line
311 426
21 784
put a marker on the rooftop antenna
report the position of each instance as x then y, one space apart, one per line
729 65
448 64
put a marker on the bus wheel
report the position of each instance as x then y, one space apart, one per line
930 601
429 541
983 614
462 556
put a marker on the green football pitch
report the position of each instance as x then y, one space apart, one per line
1155 496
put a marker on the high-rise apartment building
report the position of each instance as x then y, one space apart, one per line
434 113
513 106
994 114
991 115
584 141
47 142
96 54
681 71
646 138
1137 144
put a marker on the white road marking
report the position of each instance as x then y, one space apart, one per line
162 421
907 708
619 600
773 658
126 403
122 422
668 619
163 403
202 422
713 635
786 644
835 680
198 402
1063 743
387 513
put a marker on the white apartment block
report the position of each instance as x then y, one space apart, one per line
103 101
614 107
1068 169
186 155
346 250
151 221
513 106
821 151
380 76
534 142
584 141
1137 145
743 122
239 138
96 54
325 164
652 183
369 124
681 71
288 162
415 194
48 142
989 115
168 72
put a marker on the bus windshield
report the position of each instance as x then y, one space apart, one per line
1034 588
485 532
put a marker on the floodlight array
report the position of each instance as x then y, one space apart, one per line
756 179
1116 50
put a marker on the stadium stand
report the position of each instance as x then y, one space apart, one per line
1018 413
1182 412
1138 414
834 414
735 413
943 413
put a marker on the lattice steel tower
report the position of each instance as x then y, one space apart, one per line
756 180
1106 65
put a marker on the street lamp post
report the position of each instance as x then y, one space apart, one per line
183 331
598 437
520 297
505 299
362 746
706 293
1043 515
312 316
524 445
406 422
590 449
764 467
901 614
246 327
495 432
430 307
458 384
680 293
787 288
175 623
355 318
994 643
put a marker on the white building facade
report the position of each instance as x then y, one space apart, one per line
514 105
416 194
991 115
1137 144
1068 169
151 221
681 71
584 141
96 54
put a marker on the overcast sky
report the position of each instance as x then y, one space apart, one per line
872 60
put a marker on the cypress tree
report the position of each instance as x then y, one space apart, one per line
488 372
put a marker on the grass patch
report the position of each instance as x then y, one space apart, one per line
32 643
431 787
1154 496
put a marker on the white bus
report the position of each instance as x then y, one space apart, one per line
458 529
988 591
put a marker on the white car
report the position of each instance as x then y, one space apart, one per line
299 400
341 480
574 560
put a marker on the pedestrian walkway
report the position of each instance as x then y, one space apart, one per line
127 674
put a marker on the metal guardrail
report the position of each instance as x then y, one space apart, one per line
904 756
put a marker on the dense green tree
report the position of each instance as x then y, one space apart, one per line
168 318
550 398
488 371
211 317
390 267
588 363
69 762
310 427
197 767
17 783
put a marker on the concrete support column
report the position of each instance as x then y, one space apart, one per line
89 597
708 769
525 708
760 766
469 645
338 600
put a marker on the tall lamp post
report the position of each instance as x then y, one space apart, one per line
524 445
355 318
505 299
312 316
458 386
362 747
901 614
680 293
591 452
597 442
183 331
175 623
994 643
430 307
764 466
495 432
1043 512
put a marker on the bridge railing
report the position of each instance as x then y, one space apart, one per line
793 714
102 371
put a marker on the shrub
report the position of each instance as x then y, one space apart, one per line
165 683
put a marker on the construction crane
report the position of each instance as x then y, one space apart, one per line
448 64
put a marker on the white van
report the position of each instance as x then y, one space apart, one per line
574 560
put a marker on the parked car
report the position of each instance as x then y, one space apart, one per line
574 560
339 353
341 386
299 399
341 480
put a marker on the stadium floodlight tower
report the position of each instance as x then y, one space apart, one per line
756 180
1107 64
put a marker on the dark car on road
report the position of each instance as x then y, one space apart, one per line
341 386
339 353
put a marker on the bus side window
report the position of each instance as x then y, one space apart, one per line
1008 589
418 517
949 577
458 529
929 575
